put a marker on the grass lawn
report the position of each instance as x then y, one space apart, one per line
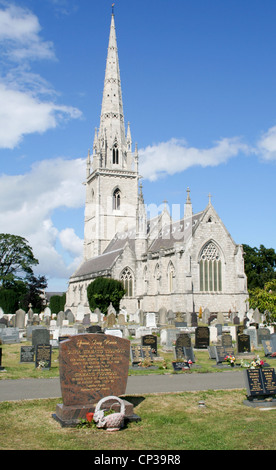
16 370
168 422
172 421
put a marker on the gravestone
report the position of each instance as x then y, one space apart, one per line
194 319
202 336
60 318
189 354
111 319
20 316
94 329
92 366
273 339
243 343
182 340
121 319
239 329
150 320
219 329
212 352
40 336
86 319
268 347
252 332
69 316
136 355
43 356
263 334
114 332
226 341
220 354
150 340
162 316
205 315
180 365
9 335
27 353
260 385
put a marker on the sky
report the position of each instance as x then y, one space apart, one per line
198 83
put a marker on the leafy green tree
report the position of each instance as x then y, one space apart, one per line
103 291
35 288
259 265
57 303
265 300
11 296
18 285
16 258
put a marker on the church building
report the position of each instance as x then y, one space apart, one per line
177 266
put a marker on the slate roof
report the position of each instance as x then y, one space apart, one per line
97 264
179 231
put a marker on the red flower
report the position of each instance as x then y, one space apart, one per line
89 416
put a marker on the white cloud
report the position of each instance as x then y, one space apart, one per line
71 242
20 34
27 203
266 146
23 110
22 114
174 156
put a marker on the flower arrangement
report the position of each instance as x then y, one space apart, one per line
230 359
145 363
42 365
257 363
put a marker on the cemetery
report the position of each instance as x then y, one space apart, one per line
94 356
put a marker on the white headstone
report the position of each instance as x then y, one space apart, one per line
150 320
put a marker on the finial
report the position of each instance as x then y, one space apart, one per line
188 195
113 4
210 197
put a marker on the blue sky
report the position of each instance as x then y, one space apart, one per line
198 81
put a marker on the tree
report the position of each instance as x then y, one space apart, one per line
259 266
57 303
103 291
265 300
35 289
16 258
18 285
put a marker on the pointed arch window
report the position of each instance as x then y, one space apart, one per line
117 199
210 272
127 280
115 155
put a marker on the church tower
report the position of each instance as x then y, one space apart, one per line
112 170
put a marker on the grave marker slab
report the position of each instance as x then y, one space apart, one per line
189 354
243 343
180 365
27 353
268 347
9 335
260 385
40 336
43 356
92 366
150 340
202 336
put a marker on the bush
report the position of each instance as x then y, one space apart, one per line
57 303
103 291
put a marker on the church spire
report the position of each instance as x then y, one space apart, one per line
112 115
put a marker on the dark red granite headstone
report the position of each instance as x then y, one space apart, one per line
92 366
